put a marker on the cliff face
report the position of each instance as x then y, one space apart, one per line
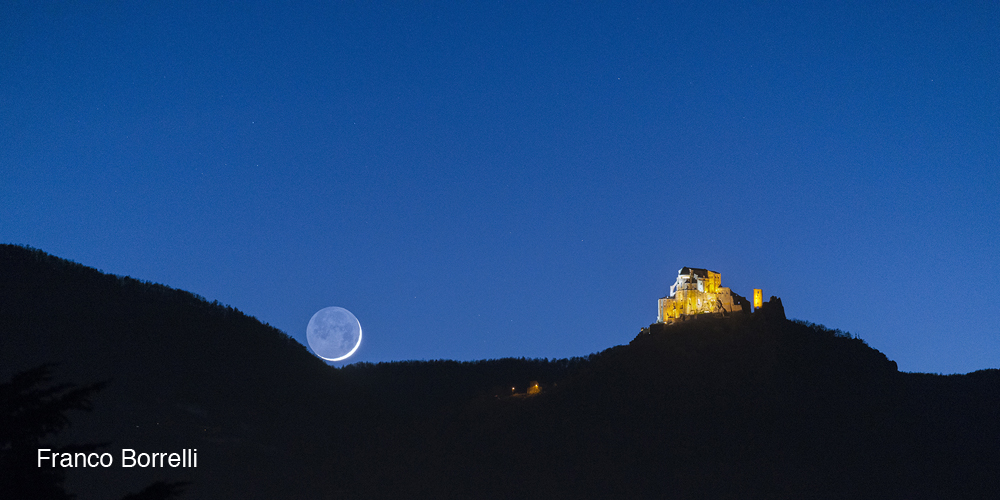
737 407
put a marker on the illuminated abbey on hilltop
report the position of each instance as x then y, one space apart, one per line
699 291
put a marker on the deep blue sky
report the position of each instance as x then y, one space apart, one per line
488 179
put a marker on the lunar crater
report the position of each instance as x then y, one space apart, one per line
334 334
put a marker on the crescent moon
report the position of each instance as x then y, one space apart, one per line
331 333
352 350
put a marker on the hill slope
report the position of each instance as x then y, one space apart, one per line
742 407
183 373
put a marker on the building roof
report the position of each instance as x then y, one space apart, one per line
696 271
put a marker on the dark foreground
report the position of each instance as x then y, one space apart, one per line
751 406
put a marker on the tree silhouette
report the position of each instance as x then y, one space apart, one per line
32 409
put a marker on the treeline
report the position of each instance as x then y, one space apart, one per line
740 407
746 406
77 286
181 372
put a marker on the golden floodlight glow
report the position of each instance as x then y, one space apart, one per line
758 298
697 291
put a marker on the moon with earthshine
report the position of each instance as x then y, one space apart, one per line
334 333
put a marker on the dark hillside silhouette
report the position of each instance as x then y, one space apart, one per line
181 373
745 406
32 409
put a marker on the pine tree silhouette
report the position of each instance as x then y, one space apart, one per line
32 409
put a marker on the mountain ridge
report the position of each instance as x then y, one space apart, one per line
741 407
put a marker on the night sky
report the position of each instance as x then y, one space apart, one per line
478 180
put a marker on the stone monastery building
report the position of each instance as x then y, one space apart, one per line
698 291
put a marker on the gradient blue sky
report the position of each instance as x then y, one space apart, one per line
489 179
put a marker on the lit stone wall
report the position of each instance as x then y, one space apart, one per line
713 282
696 291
